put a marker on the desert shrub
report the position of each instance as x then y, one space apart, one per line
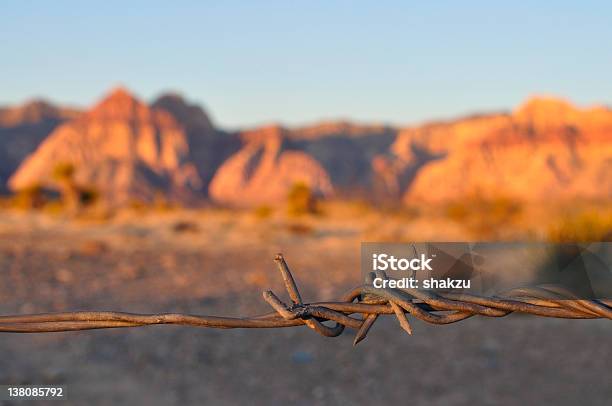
484 216
63 174
301 200
53 207
358 206
185 227
299 228
31 197
161 202
92 248
263 212
137 205
582 227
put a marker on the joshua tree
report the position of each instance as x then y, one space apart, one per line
29 198
63 174
301 200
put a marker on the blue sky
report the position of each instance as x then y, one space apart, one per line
257 62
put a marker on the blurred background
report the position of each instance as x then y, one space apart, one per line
155 157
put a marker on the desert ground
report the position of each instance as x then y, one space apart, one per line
218 262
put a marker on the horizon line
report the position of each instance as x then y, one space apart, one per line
468 113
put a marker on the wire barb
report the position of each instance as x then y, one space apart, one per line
364 301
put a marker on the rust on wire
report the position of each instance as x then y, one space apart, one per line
358 309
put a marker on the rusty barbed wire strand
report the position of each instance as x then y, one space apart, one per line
359 309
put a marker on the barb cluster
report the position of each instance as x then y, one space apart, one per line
358 309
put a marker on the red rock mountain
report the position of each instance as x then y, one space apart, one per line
208 146
330 157
23 128
122 148
265 169
546 150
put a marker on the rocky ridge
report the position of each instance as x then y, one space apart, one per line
547 149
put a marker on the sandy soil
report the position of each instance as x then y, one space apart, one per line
218 263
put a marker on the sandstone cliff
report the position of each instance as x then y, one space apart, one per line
546 150
23 128
264 170
121 148
345 151
208 146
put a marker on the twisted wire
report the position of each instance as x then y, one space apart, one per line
358 309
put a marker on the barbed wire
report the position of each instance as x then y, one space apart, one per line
358 309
